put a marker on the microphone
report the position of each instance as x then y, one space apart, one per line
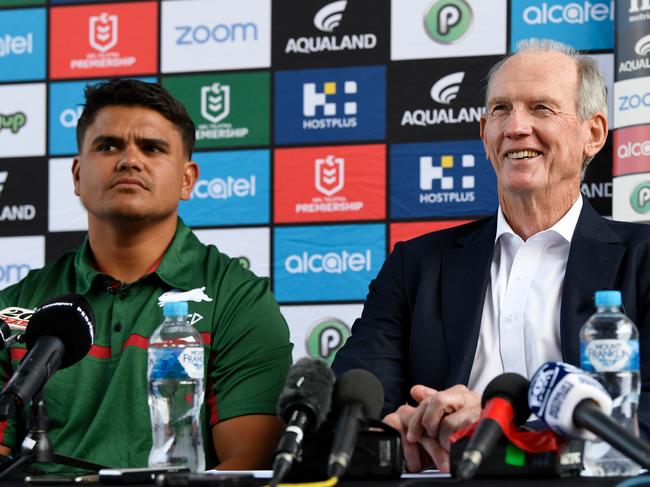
358 394
6 338
504 402
58 335
576 405
303 405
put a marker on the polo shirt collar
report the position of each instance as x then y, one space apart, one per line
175 267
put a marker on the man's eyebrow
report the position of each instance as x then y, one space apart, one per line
152 141
107 139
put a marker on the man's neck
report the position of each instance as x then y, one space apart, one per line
128 251
528 216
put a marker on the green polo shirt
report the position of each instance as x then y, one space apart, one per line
98 407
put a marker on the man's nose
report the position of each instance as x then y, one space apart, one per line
518 123
130 158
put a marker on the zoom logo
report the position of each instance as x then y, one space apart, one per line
329 17
447 21
445 90
631 102
201 34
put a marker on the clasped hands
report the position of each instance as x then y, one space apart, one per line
426 428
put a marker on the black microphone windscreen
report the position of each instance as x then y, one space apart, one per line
309 387
514 387
70 319
359 385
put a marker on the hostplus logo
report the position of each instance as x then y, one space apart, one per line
319 102
16 45
569 13
188 35
13 122
447 21
444 92
326 338
329 179
330 263
102 37
641 48
639 10
13 213
640 198
454 184
224 189
327 19
215 108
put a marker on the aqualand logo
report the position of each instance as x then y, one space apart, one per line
13 122
447 21
326 337
449 190
329 17
641 48
640 198
444 91
3 180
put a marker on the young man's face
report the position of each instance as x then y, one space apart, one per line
132 166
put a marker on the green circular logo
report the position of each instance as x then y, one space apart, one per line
244 262
640 198
446 21
326 337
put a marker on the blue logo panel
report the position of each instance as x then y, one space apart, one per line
66 105
327 263
442 179
319 105
233 189
582 25
22 44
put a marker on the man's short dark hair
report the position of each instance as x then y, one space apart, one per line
132 92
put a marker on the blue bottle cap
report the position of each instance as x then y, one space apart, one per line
178 308
608 298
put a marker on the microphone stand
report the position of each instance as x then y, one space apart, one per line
37 447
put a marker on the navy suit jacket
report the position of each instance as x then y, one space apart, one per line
420 323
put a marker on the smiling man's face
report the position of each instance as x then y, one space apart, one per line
532 132
132 165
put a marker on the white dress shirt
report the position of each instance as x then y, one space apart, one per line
520 324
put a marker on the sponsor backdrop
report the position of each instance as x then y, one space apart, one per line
327 130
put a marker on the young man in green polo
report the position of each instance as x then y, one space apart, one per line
134 166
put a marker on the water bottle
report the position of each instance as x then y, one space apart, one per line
175 377
609 351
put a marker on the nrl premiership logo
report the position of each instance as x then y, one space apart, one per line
215 102
103 31
330 175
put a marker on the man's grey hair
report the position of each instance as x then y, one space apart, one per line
591 97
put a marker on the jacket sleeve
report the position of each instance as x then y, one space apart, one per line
379 340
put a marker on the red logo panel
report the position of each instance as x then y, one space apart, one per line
103 40
335 183
400 232
631 150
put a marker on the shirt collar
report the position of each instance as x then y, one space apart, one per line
564 227
174 267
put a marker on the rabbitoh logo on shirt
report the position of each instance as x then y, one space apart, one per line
197 295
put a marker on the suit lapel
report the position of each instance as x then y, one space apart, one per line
594 258
465 275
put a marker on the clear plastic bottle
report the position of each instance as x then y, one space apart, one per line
175 376
609 351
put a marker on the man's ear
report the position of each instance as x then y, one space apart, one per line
190 175
597 135
75 174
